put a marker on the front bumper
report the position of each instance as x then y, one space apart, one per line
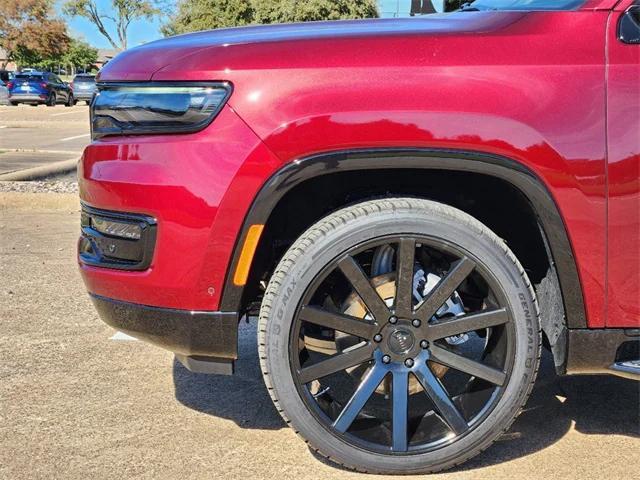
184 332
198 188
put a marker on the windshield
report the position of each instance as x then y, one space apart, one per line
398 8
521 4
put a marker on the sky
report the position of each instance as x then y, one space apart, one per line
145 31
139 32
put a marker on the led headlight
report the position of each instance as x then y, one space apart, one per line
153 108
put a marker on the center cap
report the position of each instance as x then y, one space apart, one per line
401 341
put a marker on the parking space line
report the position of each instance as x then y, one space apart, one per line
123 337
66 113
3 126
67 139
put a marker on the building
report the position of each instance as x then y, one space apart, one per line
4 63
407 8
104 56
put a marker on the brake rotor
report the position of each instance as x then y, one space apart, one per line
385 285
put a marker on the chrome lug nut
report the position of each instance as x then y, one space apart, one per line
377 338
408 362
416 322
424 344
393 319
386 359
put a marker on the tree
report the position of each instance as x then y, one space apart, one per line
79 55
29 30
124 12
194 15
280 11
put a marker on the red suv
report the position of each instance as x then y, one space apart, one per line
413 207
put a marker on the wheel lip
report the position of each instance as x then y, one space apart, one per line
491 404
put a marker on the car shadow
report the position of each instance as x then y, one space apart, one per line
241 397
593 404
600 404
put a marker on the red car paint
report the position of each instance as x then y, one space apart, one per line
555 91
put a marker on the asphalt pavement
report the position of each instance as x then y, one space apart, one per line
34 136
78 401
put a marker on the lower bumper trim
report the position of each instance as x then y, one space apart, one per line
208 365
598 351
184 332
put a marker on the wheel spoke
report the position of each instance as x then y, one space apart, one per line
445 288
337 363
404 278
466 323
466 365
366 388
338 321
400 392
363 287
440 398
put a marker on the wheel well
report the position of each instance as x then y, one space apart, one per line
493 201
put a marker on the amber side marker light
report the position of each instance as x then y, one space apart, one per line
246 256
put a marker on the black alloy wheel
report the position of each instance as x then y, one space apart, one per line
406 344
400 341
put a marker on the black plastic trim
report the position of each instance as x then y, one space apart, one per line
628 26
136 254
594 350
185 332
504 168
228 86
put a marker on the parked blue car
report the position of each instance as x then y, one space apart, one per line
39 87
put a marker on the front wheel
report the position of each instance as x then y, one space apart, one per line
399 336
51 100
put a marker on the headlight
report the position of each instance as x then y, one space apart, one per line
151 108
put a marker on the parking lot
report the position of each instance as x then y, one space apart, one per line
77 402
34 136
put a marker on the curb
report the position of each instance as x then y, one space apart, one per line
42 171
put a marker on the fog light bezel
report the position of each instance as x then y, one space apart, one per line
127 253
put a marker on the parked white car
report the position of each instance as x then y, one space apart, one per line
4 94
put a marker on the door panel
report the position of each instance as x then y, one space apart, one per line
623 124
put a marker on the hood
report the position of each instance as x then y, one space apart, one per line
140 63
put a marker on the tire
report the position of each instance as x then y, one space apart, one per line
13 104
51 101
70 101
309 264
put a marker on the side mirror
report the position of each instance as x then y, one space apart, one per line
629 26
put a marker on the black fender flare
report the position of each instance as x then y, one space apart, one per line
518 175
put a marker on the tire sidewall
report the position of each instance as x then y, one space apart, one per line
321 246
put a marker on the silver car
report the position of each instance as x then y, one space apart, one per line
4 94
